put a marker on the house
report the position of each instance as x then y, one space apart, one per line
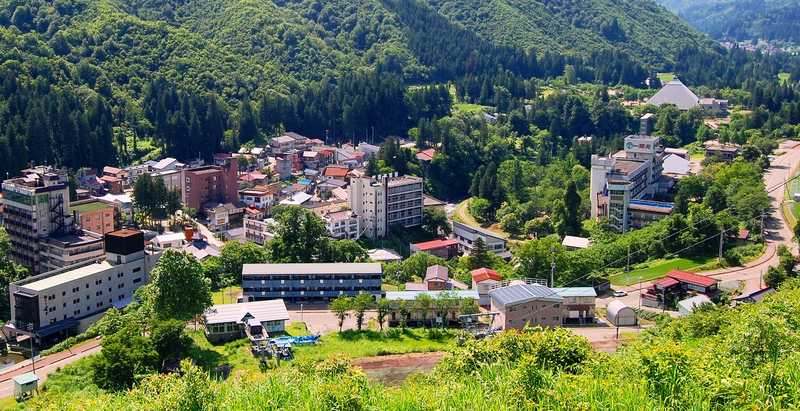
677 94
335 173
253 177
687 306
579 303
226 322
676 166
724 152
446 248
433 316
521 305
169 240
115 172
283 166
220 216
714 106
677 284
754 297
575 243
262 197
94 215
310 281
201 249
216 183
437 278
311 159
485 280
369 150
466 236
426 156
259 231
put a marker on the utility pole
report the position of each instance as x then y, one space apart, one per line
721 240
552 266
628 265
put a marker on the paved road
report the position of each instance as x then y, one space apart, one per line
46 365
778 232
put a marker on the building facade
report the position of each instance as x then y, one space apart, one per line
522 305
386 201
36 206
94 215
626 177
467 234
310 282
64 250
218 183
67 301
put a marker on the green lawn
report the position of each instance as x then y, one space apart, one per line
351 343
89 207
666 77
371 343
226 295
657 269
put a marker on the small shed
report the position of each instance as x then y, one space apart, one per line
687 306
620 315
25 385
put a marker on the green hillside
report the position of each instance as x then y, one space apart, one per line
742 19
640 27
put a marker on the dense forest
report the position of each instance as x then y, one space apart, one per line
94 82
742 19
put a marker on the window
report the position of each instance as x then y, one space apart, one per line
136 270
119 285
137 280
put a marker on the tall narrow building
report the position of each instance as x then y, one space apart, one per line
385 201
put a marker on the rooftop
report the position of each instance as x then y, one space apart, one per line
384 255
692 278
483 274
675 92
412 295
89 206
437 273
576 242
311 268
335 171
626 167
522 293
435 244
575 291
74 274
261 311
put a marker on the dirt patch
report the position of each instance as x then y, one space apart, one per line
393 369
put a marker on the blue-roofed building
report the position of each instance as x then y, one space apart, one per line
435 315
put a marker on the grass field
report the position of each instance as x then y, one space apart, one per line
467 108
657 269
665 77
371 343
226 295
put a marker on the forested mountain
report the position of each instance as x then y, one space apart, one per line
84 80
742 19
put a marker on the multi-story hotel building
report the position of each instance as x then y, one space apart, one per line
385 201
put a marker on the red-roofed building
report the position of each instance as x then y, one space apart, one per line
445 248
335 172
426 155
485 280
665 292
113 184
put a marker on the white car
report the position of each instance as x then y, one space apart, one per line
619 294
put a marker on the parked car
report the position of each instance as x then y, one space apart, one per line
619 294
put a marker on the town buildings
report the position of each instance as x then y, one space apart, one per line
58 251
623 186
467 234
68 300
226 322
440 315
666 292
521 305
446 248
211 184
310 282
94 215
485 280
385 201
342 224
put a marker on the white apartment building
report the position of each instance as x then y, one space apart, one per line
67 301
467 234
342 224
259 231
385 201
622 186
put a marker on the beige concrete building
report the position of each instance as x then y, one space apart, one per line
526 304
